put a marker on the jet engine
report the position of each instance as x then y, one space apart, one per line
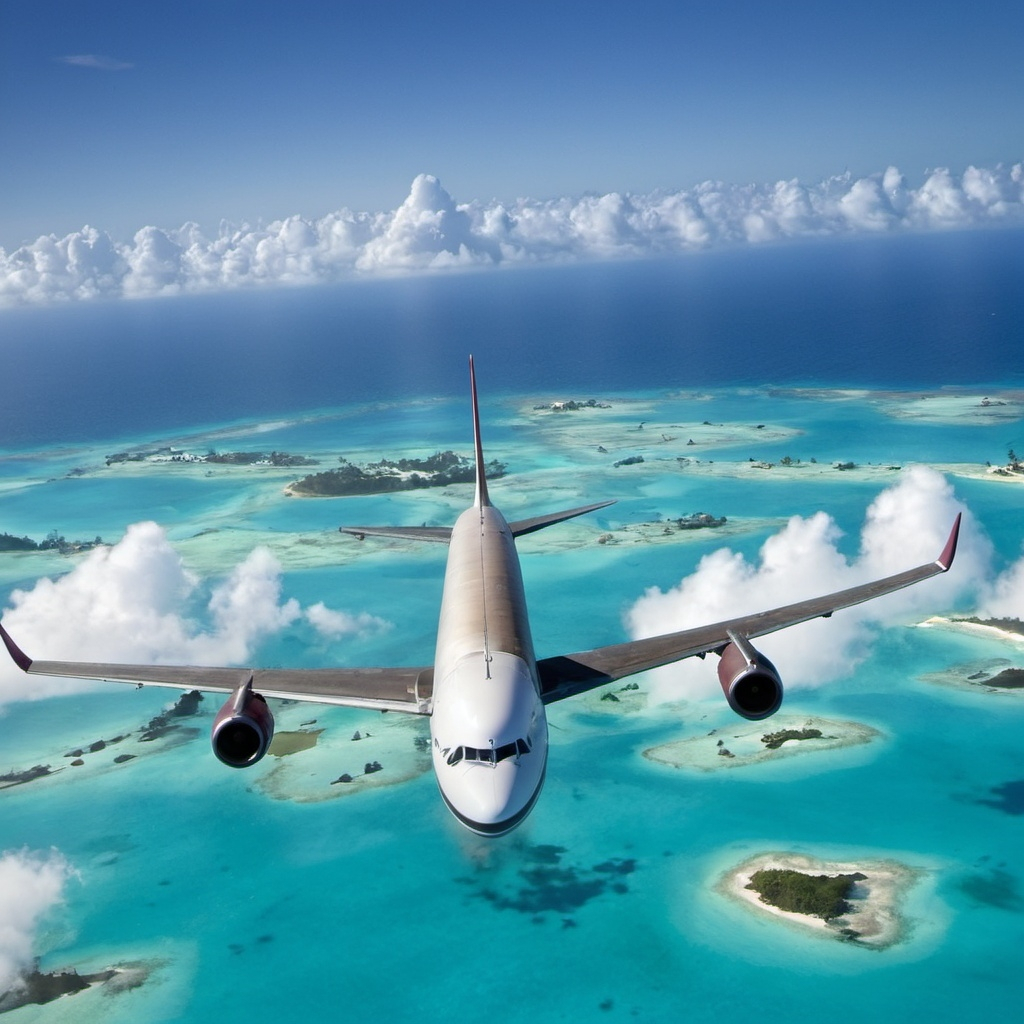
750 681
243 728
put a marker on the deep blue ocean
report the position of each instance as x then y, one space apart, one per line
271 895
926 310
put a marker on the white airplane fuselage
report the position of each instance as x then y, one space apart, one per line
489 735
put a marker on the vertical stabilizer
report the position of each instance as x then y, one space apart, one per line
481 498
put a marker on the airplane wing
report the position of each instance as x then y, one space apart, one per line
565 676
380 689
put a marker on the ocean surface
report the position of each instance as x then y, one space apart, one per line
273 895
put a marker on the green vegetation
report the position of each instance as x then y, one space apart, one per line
823 896
54 542
8 542
1008 679
774 740
251 458
1007 625
439 470
175 455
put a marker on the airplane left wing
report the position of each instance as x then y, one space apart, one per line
381 689
565 676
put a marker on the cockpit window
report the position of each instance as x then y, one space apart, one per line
489 755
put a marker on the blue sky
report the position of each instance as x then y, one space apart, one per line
254 111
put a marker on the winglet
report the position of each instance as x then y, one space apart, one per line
945 560
21 659
481 498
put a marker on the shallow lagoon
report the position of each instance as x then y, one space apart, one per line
239 890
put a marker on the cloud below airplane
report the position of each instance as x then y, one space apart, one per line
134 601
31 884
429 231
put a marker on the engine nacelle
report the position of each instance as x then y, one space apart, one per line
243 728
750 681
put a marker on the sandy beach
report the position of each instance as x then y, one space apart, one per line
742 745
875 921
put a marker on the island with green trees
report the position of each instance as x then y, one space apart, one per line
173 456
860 903
54 542
438 470
823 896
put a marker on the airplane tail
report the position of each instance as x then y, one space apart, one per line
481 498
442 534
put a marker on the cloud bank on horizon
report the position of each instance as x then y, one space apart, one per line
429 231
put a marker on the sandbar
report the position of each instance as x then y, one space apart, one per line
743 745
875 920
960 406
335 764
987 630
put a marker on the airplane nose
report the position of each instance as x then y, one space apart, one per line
492 794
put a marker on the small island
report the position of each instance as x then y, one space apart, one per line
572 405
54 542
742 746
177 455
41 987
859 903
438 470
824 896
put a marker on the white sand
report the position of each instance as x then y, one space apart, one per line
743 743
973 629
876 901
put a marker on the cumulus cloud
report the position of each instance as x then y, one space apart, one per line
334 625
429 231
30 885
136 602
906 525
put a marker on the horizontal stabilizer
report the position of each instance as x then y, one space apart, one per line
522 526
437 534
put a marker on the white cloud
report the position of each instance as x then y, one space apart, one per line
334 625
30 885
429 231
1005 598
136 602
906 525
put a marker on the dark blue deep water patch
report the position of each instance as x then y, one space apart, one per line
922 310
1007 797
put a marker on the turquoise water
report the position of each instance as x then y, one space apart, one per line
270 895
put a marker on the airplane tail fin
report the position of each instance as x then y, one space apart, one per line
481 497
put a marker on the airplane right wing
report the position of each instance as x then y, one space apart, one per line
569 674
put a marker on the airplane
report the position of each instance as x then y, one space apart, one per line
486 693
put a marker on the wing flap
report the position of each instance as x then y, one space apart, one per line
570 674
